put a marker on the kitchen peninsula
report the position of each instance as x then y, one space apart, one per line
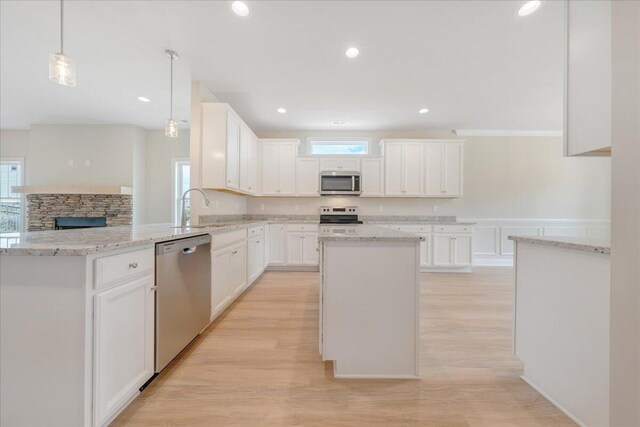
369 301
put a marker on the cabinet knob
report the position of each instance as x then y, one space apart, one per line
133 265
234 252
153 288
257 241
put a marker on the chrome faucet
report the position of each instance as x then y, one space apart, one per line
183 216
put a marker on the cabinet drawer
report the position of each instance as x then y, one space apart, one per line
219 241
120 268
452 228
255 231
302 227
412 228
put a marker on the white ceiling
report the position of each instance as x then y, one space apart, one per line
474 64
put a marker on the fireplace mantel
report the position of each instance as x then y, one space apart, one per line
72 189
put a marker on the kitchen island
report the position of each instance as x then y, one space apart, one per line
561 322
369 301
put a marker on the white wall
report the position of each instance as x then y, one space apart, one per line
504 177
625 218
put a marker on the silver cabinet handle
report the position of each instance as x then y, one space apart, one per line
133 265
258 241
153 289
234 252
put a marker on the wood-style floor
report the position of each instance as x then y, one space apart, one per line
258 364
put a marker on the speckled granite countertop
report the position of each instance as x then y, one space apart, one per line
576 243
364 233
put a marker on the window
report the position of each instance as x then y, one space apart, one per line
11 204
181 182
340 146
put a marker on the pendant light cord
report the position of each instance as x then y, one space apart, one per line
61 26
171 103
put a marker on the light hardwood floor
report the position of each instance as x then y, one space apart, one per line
258 364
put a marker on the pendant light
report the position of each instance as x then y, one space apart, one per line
62 69
171 128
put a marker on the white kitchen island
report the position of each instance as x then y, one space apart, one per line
561 322
370 301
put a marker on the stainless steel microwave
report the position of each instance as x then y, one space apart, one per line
340 183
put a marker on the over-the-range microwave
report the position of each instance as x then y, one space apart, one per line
340 183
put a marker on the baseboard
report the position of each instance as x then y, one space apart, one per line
293 268
445 270
493 262
554 402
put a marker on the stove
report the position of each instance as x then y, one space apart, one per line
339 215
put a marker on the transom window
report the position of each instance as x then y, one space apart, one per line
339 146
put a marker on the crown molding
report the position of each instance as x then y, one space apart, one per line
504 132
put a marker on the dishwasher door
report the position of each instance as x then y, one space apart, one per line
183 295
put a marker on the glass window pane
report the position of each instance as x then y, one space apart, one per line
10 203
338 148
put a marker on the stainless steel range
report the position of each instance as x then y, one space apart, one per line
339 215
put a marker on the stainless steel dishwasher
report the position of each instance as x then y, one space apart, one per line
183 294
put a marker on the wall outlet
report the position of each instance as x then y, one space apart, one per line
87 163
380 207
70 163
435 208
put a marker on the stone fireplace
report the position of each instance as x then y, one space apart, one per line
45 204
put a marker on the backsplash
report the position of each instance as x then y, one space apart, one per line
212 219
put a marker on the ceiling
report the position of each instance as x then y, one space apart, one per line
474 64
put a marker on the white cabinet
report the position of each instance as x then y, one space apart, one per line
442 250
372 177
339 164
403 168
307 172
587 121
228 158
279 167
248 161
228 269
123 345
255 251
276 244
443 169
452 250
302 248
425 250
462 250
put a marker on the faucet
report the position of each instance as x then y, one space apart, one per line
183 216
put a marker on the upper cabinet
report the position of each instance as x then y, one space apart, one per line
340 164
587 115
372 177
307 177
403 168
279 166
443 169
228 151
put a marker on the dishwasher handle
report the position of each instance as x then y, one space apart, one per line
190 250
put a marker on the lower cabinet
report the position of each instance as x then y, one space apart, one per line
302 248
228 275
276 244
255 257
124 330
452 250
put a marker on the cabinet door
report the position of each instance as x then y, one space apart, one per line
252 260
393 185
276 244
253 165
123 344
453 169
270 168
348 164
233 151
413 161
238 269
330 164
442 250
307 173
434 169
310 249
462 250
295 248
245 147
220 280
372 177
425 250
287 168
260 245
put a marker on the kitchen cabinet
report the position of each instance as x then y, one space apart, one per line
443 169
276 244
404 168
228 269
255 253
279 167
424 231
340 164
302 248
588 78
124 319
372 177
452 249
248 161
228 158
307 181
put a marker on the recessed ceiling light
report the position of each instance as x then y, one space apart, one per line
423 110
281 110
352 52
529 7
338 122
240 8
144 99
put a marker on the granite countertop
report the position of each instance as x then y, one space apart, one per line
364 233
576 243
96 240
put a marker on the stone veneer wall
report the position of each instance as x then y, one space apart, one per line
42 209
